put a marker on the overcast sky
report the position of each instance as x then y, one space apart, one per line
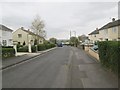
59 17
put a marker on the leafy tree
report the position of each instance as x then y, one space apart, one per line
74 41
53 40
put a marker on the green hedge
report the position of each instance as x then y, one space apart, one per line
109 53
23 49
41 47
45 46
33 48
8 52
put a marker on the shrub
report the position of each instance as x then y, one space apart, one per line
8 52
33 48
53 45
7 46
23 49
41 47
47 46
109 53
18 45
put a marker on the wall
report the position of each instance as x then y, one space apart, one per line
94 54
22 39
7 35
93 37
113 35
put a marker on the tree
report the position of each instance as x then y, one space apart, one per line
38 27
74 41
53 40
82 38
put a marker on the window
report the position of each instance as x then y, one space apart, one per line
19 35
4 42
114 29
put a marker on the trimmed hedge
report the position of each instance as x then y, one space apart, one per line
41 47
7 46
33 48
8 52
22 49
45 46
109 53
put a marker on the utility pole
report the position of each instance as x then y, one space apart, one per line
74 33
70 34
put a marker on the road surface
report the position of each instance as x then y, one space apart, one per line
64 67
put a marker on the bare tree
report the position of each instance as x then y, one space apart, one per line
38 26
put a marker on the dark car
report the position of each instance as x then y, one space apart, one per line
59 44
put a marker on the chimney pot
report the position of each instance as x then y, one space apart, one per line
96 28
113 19
22 28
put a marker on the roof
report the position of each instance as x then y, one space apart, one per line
94 32
111 24
2 27
32 33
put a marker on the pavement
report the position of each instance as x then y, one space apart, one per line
21 57
64 67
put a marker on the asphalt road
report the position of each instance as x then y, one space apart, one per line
64 67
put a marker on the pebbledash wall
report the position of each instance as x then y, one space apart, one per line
92 52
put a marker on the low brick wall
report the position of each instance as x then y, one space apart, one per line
94 54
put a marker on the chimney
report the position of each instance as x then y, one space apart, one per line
113 19
96 29
22 28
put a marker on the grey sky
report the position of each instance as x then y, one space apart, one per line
60 17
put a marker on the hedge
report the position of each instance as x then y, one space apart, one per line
33 48
45 46
109 53
23 49
7 46
41 47
8 52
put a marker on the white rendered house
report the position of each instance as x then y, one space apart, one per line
5 36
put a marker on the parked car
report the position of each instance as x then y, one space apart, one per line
59 44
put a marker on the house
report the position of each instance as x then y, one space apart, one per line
82 38
94 36
110 31
24 37
6 36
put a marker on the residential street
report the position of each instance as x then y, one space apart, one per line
63 67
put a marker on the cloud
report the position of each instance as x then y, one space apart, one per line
59 17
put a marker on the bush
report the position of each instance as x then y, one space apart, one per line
7 46
8 52
41 47
109 53
53 45
45 46
23 49
33 48
18 45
